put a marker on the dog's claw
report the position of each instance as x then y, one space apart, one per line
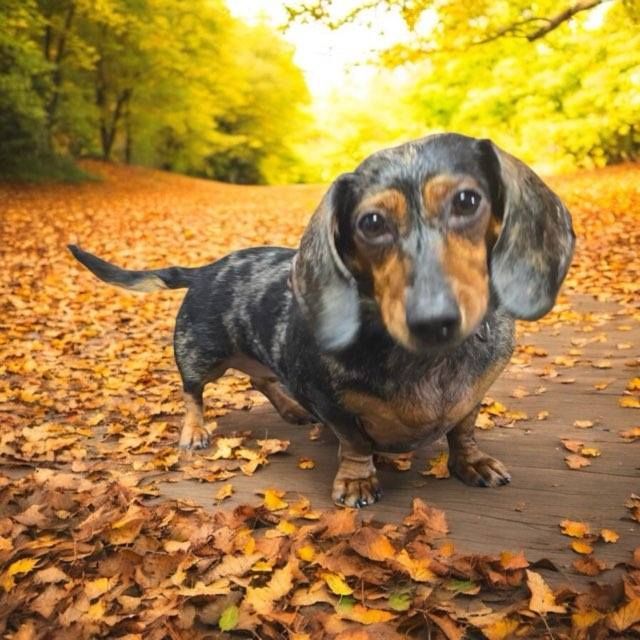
356 492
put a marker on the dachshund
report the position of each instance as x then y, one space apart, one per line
395 314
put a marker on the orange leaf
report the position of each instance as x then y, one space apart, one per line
438 466
370 543
625 616
580 546
574 529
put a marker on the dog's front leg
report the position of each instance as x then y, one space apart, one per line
356 483
468 462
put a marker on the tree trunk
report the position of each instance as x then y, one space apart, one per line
55 55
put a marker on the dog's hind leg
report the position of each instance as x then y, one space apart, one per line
194 434
198 364
288 408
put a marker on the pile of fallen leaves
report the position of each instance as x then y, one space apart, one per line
89 396
87 557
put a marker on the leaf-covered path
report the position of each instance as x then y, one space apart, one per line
90 409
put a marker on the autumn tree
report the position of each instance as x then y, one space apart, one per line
158 82
556 83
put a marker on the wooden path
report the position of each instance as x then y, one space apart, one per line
526 514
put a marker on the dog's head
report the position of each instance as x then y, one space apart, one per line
426 232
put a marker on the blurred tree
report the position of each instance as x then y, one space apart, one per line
160 82
556 84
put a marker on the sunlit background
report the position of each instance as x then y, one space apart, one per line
262 91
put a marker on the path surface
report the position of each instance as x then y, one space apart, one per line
86 356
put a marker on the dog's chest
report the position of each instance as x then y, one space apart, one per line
422 411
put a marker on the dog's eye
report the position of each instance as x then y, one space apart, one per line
466 202
373 226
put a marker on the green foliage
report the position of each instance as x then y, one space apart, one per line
229 618
158 82
561 98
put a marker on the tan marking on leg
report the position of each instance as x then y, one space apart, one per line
356 483
468 462
194 434
285 405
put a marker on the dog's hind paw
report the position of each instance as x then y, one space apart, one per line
195 437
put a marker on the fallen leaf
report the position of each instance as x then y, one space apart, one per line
306 463
224 492
630 402
501 630
630 434
580 546
583 424
337 584
438 466
625 616
574 529
542 599
608 535
370 543
575 461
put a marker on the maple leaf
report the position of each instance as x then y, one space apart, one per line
574 529
370 543
608 535
426 516
224 492
542 598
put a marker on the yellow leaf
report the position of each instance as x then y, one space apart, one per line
337 584
306 553
609 535
630 434
583 424
625 616
224 492
418 569
501 629
574 529
484 421
95 588
273 501
633 384
542 415
585 619
630 402
287 527
262 566
96 611
19 567
591 452
542 598
363 615
580 546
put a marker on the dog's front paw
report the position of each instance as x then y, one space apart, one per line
194 437
359 492
478 469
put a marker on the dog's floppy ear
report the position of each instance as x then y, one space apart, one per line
533 252
324 288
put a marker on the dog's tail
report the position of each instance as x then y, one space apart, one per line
151 280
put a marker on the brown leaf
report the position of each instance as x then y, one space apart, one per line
427 517
370 543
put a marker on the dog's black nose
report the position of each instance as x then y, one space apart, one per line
434 322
